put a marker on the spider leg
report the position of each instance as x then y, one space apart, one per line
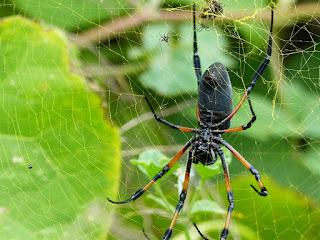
224 233
144 233
263 191
246 126
183 195
196 58
200 232
243 127
166 168
258 73
177 127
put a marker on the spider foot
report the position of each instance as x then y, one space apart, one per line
224 234
132 198
114 202
167 235
144 233
263 192
200 232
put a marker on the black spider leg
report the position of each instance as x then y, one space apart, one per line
258 73
196 58
263 191
166 168
200 232
224 233
243 127
177 127
144 233
253 119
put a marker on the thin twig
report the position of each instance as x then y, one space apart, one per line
121 25
116 70
137 151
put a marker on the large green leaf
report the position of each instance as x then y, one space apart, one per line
71 14
49 119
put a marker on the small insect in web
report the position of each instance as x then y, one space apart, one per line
213 9
30 166
164 38
214 113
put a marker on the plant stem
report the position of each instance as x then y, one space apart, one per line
163 197
197 193
187 232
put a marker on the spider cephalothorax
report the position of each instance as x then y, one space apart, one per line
204 148
214 112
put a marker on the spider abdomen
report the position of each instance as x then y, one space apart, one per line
215 96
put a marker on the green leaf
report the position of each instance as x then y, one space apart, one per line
244 5
216 226
255 34
171 72
271 121
72 15
50 119
150 162
273 214
300 90
256 217
206 206
311 159
161 202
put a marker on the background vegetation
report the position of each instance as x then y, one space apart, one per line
73 76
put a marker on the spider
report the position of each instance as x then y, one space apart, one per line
164 38
214 113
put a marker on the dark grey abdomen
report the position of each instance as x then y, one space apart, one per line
215 96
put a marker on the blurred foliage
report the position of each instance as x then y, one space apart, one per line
69 15
283 144
56 146
169 73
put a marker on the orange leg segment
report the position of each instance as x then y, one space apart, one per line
166 168
183 196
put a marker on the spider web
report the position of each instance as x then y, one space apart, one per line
117 50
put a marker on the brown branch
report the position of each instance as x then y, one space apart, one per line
119 26
110 29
